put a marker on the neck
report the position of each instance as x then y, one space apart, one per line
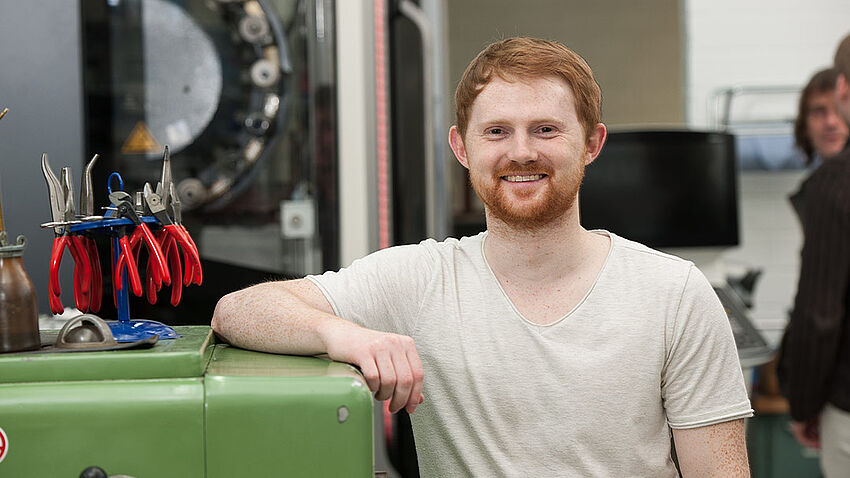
553 251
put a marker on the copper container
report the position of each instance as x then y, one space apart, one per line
18 305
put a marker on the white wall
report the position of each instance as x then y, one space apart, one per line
756 42
761 43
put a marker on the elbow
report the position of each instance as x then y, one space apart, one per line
222 315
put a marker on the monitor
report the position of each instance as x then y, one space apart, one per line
664 188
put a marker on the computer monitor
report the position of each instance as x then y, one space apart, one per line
664 188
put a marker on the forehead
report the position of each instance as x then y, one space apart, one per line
822 98
547 96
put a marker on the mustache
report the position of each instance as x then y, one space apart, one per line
519 169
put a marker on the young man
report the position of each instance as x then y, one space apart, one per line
819 130
815 362
544 349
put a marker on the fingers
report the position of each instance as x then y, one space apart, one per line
416 370
393 370
387 374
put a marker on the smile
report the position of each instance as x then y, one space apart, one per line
521 178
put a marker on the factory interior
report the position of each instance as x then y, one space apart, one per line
283 138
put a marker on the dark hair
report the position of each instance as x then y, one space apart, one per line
822 82
520 58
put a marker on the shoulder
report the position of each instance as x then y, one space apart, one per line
451 247
643 257
833 171
826 188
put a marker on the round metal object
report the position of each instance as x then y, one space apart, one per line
264 73
182 85
257 124
192 192
253 29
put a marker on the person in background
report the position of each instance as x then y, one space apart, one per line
814 368
549 350
819 130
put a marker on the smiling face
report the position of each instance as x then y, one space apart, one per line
525 150
825 129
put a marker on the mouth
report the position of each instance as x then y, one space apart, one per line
523 178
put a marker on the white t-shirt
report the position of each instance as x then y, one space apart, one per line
593 394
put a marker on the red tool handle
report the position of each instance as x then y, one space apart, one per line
191 258
82 272
176 281
156 253
55 260
127 257
96 276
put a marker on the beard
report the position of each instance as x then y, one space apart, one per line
529 211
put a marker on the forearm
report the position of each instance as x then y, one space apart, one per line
275 317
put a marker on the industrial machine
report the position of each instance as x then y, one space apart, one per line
186 407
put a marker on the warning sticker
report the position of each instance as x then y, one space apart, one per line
141 141
4 445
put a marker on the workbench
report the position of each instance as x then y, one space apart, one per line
187 407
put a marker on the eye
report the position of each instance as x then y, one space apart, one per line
495 131
547 130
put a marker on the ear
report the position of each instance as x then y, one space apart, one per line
594 143
456 142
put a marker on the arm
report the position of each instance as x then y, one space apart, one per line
712 450
294 317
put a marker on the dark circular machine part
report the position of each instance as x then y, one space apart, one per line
220 102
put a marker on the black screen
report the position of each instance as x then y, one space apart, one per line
664 188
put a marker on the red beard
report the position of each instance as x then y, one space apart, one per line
531 210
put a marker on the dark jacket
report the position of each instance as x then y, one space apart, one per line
814 365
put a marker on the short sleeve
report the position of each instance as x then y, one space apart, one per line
702 381
382 291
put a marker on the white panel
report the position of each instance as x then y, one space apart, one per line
355 68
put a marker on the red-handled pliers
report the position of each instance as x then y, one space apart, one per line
64 215
169 249
125 209
191 258
87 210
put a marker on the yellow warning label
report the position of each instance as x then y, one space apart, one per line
140 141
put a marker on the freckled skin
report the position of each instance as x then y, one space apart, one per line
715 450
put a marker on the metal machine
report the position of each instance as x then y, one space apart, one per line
187 407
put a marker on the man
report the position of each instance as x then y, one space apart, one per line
815 363
549 350
819 130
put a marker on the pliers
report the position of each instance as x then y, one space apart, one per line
164 204
125 209
87 210
174 235
64 215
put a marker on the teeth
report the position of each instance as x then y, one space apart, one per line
520 179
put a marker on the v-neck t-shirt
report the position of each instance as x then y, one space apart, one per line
595 393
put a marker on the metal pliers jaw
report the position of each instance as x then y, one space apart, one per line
126 209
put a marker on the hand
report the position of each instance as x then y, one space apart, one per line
807 433
389 363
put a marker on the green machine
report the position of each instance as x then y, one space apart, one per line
187 407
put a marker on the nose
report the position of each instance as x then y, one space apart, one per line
522 148
833 119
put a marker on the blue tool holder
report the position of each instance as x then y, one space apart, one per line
125 330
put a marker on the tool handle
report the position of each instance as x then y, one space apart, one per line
127 258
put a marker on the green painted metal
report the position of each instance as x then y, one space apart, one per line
185 408
174 358
285 415
139 428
